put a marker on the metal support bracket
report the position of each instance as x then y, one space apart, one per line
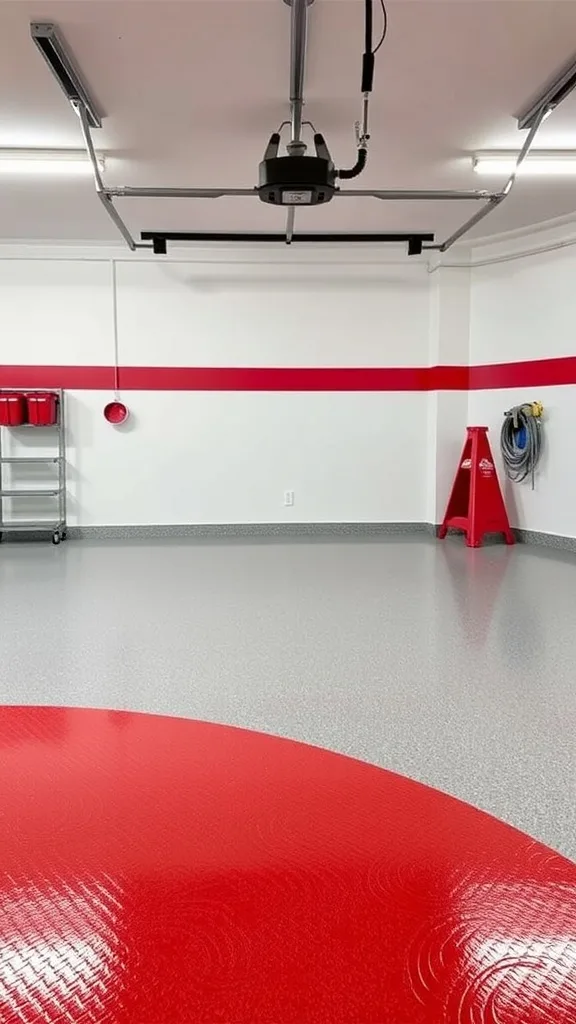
498 198
101 191
62 65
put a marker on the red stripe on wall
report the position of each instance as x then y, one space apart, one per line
448 378
247 378
256 378
81 378
536 373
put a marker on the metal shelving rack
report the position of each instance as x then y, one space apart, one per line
56 527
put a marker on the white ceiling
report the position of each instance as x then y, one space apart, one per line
192 89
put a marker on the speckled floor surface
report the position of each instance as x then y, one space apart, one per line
454 667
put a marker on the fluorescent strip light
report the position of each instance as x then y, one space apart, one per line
536 165
55 163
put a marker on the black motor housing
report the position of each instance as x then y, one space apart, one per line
296 180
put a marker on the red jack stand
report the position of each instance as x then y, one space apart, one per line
476 504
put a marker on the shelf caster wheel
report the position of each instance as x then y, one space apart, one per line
56 537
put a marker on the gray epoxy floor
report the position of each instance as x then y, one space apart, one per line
455 667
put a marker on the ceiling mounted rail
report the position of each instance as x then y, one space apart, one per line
55 53
64 69
414 239
551 96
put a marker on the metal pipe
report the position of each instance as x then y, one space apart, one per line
525 150
119 223
364 134
290 217
416 195
469 224
127 192
499 198
80 109
101 191
298 26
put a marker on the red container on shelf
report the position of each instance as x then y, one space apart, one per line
42 408
12 409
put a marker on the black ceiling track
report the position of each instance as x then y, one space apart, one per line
160 239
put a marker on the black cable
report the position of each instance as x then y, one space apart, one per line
368 27
353 172
369 52
367 82
368 56
385 26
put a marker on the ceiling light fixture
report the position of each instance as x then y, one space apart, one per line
536 165
64 70
47 162
552 95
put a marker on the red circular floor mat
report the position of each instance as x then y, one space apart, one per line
163 871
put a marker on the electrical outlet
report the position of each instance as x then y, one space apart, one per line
288 498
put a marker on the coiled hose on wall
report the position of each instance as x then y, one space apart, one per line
521 441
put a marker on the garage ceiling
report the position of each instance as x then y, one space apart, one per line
192 89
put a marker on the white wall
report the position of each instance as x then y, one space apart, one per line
448 346
228 457
525 309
